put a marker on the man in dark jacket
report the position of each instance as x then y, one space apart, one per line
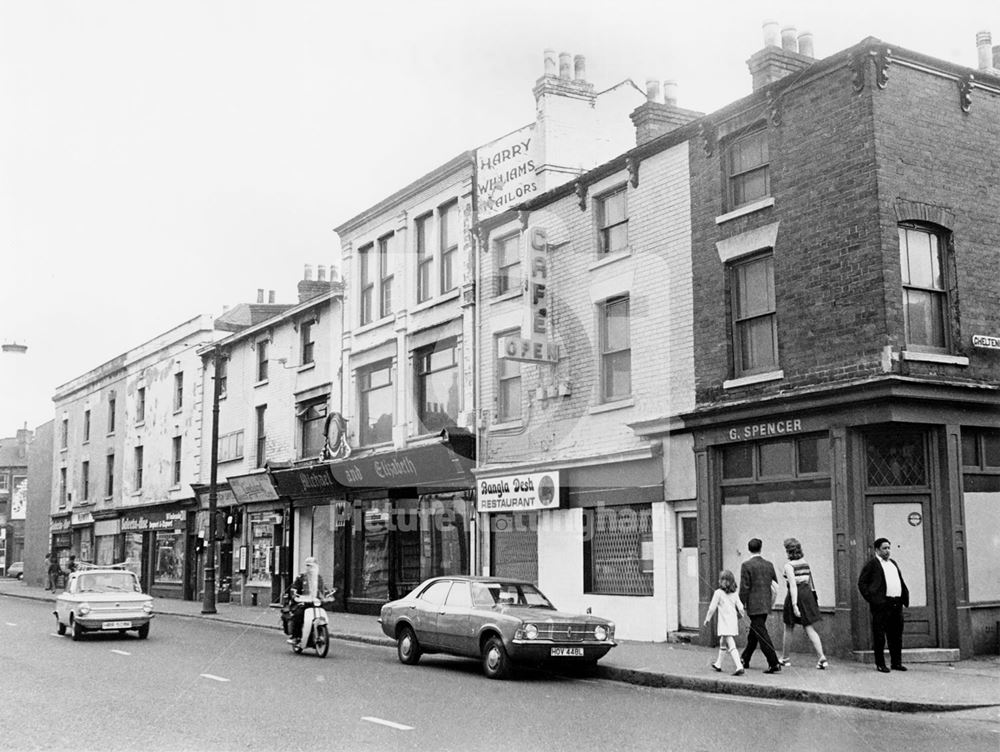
758 588
307 587
881 584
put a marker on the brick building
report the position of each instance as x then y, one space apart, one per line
13 496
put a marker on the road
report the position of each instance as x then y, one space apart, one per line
201 685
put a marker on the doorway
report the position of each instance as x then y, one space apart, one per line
687 570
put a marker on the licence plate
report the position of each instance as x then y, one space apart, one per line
116 625
574 652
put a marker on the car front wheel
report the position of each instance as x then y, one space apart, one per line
77 631
60 627
496 662
143 631
407 647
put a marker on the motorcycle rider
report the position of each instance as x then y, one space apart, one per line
307 587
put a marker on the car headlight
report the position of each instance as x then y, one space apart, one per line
147 607
84 609
601 632
530 631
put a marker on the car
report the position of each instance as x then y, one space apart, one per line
16 570
103 599
502 622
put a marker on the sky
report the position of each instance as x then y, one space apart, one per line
160 159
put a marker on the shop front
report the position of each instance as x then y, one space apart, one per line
61 535
108 541
228 583
919 466
382 523
155 546
82 524
584 533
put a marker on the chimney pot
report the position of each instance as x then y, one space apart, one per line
307 273
984 40
260 294
788 39
580 68
806 44
321 273
565 64
270 296
670 92
550 63
652 90
772 38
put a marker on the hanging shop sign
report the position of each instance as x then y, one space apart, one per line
533 345
505 172
154 520
518 493
253 487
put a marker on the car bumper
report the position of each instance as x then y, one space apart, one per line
98 623
541 650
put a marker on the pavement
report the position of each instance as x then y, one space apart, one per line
925 687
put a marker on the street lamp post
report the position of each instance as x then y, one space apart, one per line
208 604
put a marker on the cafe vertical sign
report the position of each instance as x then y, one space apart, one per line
534 345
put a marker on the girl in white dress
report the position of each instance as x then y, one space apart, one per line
727 603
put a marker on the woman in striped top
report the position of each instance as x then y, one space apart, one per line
801 606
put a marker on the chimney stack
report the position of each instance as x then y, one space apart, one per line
659 114
989 56
307 273
260 294
270 297
321 273
308 287
580 69
774 62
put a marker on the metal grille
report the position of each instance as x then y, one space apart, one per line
616 550
567 632
896 459
514 546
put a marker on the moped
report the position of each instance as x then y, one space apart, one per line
315 628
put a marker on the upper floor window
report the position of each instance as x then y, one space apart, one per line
260 432
178 391
306 342
451 231
925 295
755 331
86 425
230 446
425 256
616 350
222 374
175 477
62 486
437 386
507 252
64 434
112 405
612 221
85 480
367 286
375 402
140 404
749 169
312 416
109 475
262 360
384 276
508 387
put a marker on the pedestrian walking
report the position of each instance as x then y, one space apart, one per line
881 584
727 603
53 572
758 590
801 604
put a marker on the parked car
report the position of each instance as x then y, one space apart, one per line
16 570
103 599
502 622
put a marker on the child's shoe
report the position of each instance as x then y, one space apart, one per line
823 663
717 668
739 672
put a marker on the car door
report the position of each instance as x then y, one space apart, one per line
454 622
424 613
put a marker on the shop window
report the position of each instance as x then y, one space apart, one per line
925 295
895 459
755 331
611 215
737 461
776 459
85 480
437 386
749 177
384 276
375 404
508 385
169 567
451 230
140 404
261 543
616 350
802 456
306 343
425 256
980 449
813 455
311 416
617 548
507 252
231 446
260 431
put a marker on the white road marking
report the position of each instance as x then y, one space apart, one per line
213 677
120 652
751 700
383 722
11 624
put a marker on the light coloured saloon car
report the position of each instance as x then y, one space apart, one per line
103 600
501 622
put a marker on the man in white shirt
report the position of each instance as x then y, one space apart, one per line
881 584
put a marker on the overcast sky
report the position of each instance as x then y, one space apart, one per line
161 159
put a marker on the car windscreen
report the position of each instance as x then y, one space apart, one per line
508 594
107 582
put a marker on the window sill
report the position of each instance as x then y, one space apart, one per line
757 378
108 498
509 425
262 382
504 297
229 459
306 367
929 357
140 423
611 258
179 409
744 210
175 487
443 298
373 325
63 450
136 494
608 407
